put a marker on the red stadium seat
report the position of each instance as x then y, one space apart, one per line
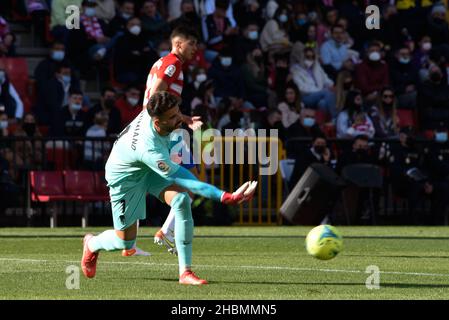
429 134
406 118
47 186
60 155
321 117
17 70
101 189
79 185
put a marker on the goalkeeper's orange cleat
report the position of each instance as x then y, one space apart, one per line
128 253
189 278
89 259
135 252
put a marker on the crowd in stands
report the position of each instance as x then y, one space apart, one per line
309 68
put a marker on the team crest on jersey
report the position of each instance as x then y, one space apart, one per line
170 71
163 166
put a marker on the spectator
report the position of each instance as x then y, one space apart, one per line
9 97
204 99
249 10
187 16
208 7
245 43
324 28
53 94
45 70
132 55
117 26
8 45
333 52
95 151
107 106
384 115
226 76
318 152
273 121
438 29
362 125
314 84
73 118
346 122
175 9
30 151
433 100
217 29
154 26
88 43
344 83
359 153
279 74
129 106
421 57
59 17
106 10
4 27
436 162
253 73
377 70
290 105
274 37
404 78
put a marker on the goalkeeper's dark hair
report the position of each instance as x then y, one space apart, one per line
161 102
184 31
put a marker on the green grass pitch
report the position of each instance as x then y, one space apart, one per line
239 262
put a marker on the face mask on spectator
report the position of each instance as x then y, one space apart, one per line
253 35
109 103
201 77
29 128
58 55
90 12
308 63
426 46
135 30
66 79
226 61
403 60
133 101
163 53
283 18
2 77
309 122
301 22
374 56
441 136
75 106
3 124
126 16
319 149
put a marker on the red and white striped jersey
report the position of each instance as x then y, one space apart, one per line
169 69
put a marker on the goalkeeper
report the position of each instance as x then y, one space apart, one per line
139 163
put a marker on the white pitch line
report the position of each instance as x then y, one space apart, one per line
234 267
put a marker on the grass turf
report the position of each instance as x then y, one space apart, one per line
239 262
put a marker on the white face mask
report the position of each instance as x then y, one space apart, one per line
135 30
201 77
283 18
3 124
75 106
308 63
426 46
126 16
374 56
133 101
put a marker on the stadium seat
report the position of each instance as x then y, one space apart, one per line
79 185
59 155
47 186
101 189
17 70
321 117
406 118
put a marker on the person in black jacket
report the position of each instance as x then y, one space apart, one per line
106 104
132 55
433 100
117 25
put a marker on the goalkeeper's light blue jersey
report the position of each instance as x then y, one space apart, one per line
138 149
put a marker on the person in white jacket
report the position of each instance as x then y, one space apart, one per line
314 84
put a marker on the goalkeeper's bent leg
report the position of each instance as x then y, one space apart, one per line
109 241
183 229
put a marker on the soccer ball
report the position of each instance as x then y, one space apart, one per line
324 242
